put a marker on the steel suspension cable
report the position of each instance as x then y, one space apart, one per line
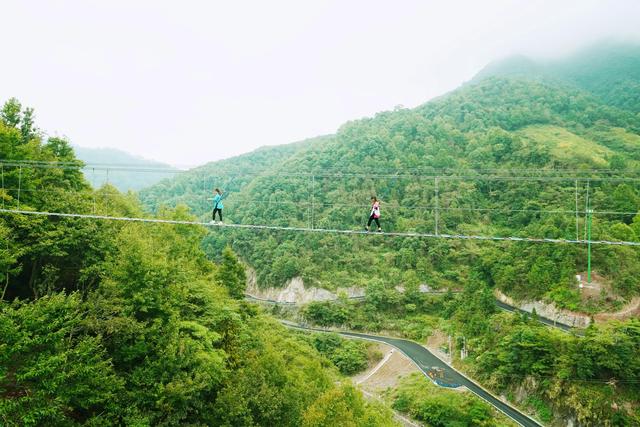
314 203
323 230
323 174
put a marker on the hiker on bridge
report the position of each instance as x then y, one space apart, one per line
375 214
217 206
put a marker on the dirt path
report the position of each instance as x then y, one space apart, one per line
632 309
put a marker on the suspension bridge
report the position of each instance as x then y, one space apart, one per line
581 186
580 182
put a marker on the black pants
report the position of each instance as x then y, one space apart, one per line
373 218
219 212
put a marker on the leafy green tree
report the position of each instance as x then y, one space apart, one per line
326 313
27 128
128 323
344 406
416 396
232 274
50 372
11 113
349 356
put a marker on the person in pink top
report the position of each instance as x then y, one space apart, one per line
375 214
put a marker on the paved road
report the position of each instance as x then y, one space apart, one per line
426 360
541 319
501 305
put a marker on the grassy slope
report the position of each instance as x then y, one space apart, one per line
567 147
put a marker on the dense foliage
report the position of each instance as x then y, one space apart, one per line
349 356
418 397
609 70
480 140
195 187
591 378
120 323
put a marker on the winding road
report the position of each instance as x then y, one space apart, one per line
425 361
501 305
549 322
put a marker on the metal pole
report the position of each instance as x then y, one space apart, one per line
587 231
313 200
577 227
586 207
589 212
435 181
19 184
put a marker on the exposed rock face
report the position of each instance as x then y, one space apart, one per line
294 291
425 289
579 320
550 311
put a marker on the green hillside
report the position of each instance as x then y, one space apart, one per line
517 127
125 323
514 155
609 70
106 323
194 188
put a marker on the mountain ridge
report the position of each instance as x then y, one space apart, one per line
119 160
497 123
608 69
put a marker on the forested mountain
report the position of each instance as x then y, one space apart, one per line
118 323
514 156
609 70
195 187
126 171
122 323
518 153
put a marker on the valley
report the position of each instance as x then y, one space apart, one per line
133 308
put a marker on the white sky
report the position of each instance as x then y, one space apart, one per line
186 82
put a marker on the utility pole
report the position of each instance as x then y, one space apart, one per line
577 227
435 182
589 213
587 231
313 199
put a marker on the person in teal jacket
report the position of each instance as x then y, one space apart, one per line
217 205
